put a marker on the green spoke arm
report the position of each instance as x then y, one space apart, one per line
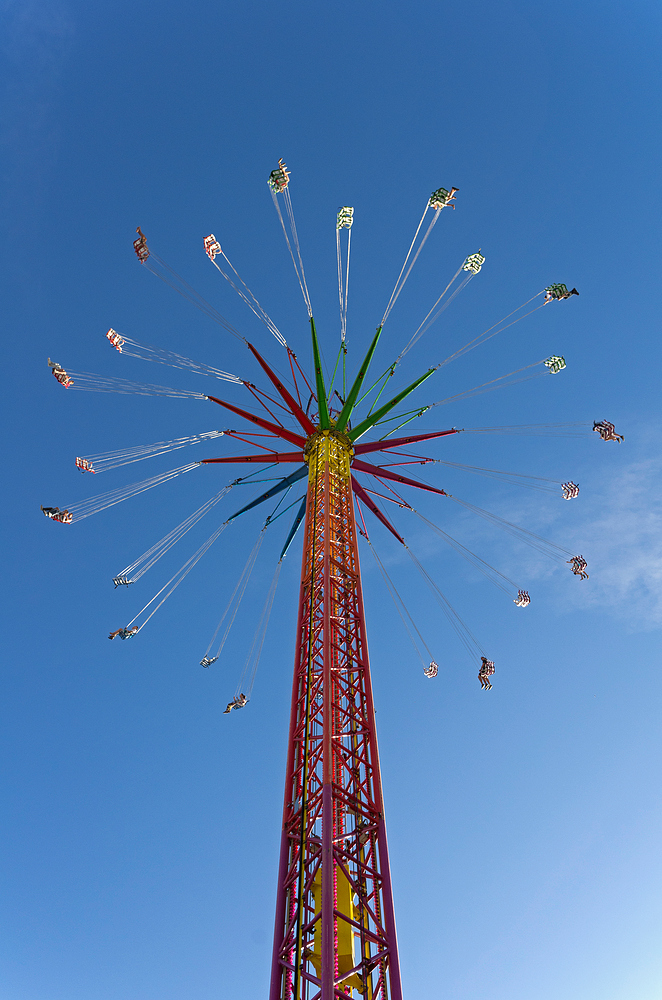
366 424
416 415
346 411
319 381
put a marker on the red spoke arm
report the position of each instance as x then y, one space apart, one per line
371 505
419 461
363 449
410 454
305 421
294 378
292 356
254 392
276 429
376 470
247 440
271 399
382 496
400 500
269 457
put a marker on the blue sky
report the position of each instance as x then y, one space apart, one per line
141 827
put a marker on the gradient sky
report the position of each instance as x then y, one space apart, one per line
141 827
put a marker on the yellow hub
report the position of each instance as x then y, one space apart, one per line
328 449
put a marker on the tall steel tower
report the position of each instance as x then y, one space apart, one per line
335 923
335 920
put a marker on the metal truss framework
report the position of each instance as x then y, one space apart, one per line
334 932
335 923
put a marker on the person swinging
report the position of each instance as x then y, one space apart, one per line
240 701
124 633
485 672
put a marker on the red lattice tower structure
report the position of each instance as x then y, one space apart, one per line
334 932
335 921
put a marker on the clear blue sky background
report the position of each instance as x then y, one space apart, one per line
141 826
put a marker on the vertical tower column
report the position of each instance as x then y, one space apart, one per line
335 925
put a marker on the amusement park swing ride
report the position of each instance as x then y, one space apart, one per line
334 934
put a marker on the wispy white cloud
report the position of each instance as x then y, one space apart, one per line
619 533
624 538
616 524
